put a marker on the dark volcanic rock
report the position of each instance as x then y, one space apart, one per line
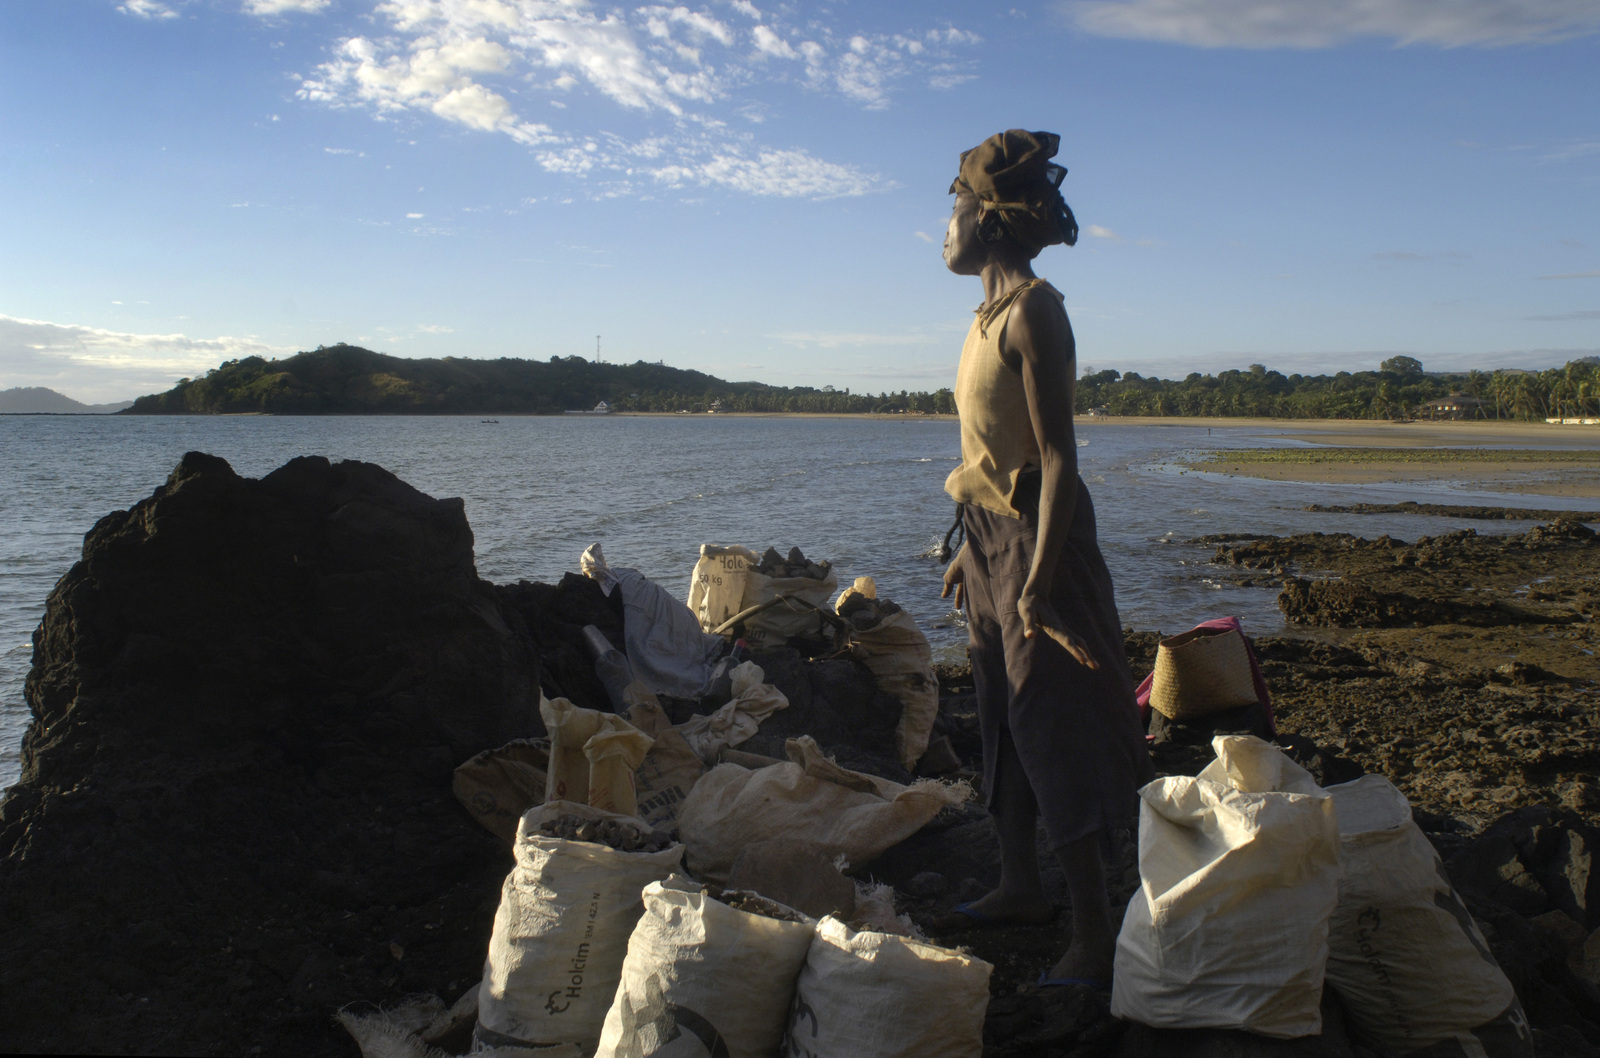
235 810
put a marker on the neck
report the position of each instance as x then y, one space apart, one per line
1003 274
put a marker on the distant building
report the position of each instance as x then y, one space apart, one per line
599 409
1099 411
1455 406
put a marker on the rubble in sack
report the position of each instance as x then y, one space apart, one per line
865 613
612 833
754 904
795 564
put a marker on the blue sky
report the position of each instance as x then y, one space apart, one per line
758 189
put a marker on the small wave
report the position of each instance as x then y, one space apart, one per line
1082 443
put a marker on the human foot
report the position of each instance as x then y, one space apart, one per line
1087 962
997 910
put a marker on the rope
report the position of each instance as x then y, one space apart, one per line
957 527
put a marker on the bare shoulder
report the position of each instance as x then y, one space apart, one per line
1039 328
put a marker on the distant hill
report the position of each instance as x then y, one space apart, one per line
36 400
348 380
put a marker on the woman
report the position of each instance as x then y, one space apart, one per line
1061 733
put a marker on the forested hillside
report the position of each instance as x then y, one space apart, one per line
345 379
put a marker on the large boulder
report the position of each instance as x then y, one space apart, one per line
235 810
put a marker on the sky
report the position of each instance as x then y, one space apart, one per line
759 190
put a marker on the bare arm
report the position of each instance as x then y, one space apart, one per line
1038 343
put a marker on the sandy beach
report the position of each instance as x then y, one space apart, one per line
1536 459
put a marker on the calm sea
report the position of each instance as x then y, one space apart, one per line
866 494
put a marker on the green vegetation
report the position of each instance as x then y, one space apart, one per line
1312 456
1398 389
345 379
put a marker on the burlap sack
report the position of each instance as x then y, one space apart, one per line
1239 873
716 589
808 800
897 653
1404 954
698 968
499 785
874 995
561 933
573 772
1202 671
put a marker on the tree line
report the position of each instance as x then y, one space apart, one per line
1398 389
346 379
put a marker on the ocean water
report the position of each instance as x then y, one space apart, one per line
864 493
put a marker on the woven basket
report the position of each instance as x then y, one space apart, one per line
1202 671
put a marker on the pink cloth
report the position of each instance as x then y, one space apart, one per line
1262 694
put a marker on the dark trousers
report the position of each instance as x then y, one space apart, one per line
1056 734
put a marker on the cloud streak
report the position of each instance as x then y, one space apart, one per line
110 365
1328 23
685 71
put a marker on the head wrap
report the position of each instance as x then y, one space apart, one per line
1011 175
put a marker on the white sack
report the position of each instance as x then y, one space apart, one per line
561 932
700 973
739 718
716 589
773 626
1239 872
1403 951
872 995
808 800
726 580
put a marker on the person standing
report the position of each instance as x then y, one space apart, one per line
1061 731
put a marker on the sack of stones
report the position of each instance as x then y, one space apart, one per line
668 772
1404 953
893 648
728 580
876 995
561 933
809 801
806 587
708 972
1239 874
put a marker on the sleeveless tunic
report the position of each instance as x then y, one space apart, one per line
992 405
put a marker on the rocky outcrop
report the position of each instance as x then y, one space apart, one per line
235 810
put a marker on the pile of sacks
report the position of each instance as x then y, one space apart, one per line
1258 885
603 945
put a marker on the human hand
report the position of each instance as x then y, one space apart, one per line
955 580
1038 616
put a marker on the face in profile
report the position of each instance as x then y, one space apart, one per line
964 252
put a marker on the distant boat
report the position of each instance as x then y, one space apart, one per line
490 422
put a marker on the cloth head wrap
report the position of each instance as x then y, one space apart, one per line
1011 174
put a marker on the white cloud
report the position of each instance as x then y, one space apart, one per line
268 8
1575 275
151 9
1096 231
1573 151
769 43
103 365
1325 23
679 68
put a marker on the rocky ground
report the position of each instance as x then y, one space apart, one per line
235 815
